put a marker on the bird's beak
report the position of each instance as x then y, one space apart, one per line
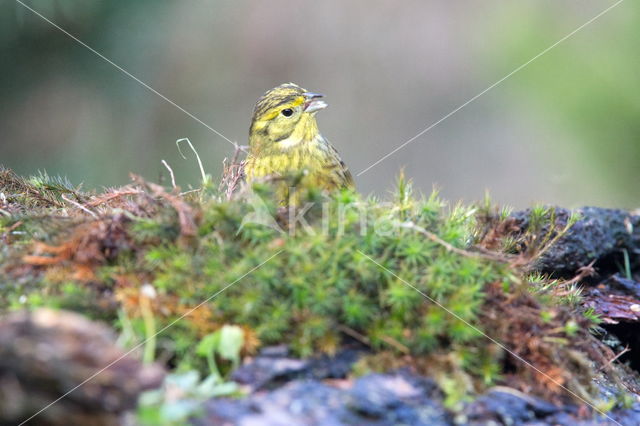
313 102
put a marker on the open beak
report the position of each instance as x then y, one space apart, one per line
313 102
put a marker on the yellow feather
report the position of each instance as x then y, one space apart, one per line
284 141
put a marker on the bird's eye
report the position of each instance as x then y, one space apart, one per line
288 112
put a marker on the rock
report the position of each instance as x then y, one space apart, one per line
262 371
599 233
288 391
47 354
270 367
626 417
334 367
624 285
399 398
506 406
298 402
278 351
377 399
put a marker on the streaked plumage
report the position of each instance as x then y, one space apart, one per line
284 141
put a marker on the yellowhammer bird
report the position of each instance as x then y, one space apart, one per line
284 141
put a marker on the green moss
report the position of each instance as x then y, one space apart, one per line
353 266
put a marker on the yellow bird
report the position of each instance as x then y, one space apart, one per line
284 142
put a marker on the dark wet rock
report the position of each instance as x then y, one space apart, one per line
624 417
599 233
298 402
627 417
278 351
377 399
261 371
623 285
223 411
46 353
334 367
506 406
269 368
287 391
399 398
510 407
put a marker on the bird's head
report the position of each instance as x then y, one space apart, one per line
284 117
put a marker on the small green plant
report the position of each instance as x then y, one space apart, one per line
182 394
225 343
625 268
181 397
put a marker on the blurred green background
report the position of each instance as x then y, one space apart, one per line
565 129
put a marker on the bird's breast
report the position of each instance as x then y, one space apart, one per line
292 156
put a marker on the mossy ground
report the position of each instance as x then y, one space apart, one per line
146 260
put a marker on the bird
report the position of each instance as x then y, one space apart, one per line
285 143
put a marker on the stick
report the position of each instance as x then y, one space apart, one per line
80 206
173 178
202 173
624 351
433 237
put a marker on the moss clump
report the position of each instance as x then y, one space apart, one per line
398 276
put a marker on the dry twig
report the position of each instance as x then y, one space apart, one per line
78 205
611 361
185 212
173 178
112 196
233 173
433 237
